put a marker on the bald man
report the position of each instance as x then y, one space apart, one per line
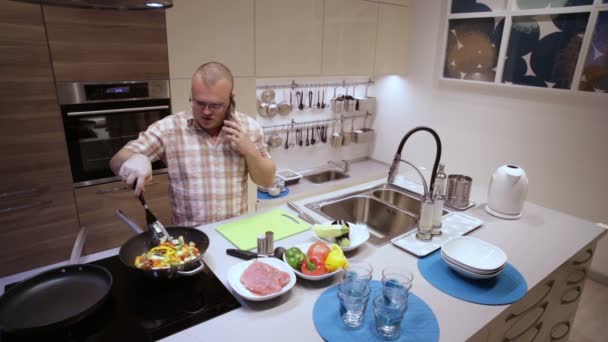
209 151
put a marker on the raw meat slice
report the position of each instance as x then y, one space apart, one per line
264 279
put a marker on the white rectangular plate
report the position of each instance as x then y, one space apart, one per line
454 224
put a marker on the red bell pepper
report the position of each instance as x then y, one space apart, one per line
312 266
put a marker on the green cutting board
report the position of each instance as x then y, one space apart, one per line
244 233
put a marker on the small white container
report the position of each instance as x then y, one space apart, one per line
290 177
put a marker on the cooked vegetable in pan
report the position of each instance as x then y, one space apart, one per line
169 253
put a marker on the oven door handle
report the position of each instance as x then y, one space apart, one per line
121 110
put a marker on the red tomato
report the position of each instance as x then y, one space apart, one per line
319 250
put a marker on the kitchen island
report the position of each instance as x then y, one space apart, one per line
538 244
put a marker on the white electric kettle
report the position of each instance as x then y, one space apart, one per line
507 192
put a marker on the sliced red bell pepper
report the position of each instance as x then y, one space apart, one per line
312 266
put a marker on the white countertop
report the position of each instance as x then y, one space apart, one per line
536 244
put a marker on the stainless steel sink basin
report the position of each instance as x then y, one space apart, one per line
386 211
399 200
326 176
384 222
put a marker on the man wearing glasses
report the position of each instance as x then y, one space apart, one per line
209 151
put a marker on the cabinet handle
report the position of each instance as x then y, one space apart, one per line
119 189
10 194
555 331
549 285
8 210
513 328
580 262
538 327
111 111
583 273
565 300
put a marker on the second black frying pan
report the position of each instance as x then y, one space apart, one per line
56 298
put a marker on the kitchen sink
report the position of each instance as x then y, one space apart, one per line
383 221
386 211
399 200
326 176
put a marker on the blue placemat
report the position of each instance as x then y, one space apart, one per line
505 288
265 195
419 323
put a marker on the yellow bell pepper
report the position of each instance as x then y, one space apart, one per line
335 259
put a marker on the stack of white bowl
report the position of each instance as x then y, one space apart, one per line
473 258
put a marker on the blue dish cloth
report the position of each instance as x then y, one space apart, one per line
264 195
508 287
419 323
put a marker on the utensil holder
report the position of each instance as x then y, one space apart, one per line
458 191
337 106
349 105
364 135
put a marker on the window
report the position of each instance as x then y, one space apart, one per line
560 44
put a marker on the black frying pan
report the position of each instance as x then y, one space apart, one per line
56 298
144 241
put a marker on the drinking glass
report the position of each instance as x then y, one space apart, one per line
396 283
358 271
389 314
353 301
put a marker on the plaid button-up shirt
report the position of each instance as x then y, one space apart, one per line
207 175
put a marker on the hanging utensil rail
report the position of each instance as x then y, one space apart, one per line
294 124
295 85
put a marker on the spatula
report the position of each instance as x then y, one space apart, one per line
158 230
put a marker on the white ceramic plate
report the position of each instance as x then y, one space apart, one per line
235 272
469 274
474 253
358 235
470 269
304 249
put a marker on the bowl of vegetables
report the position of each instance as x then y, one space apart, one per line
315 260
345 234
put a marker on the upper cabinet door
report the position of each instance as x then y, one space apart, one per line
349 37
200 31
392 40
288 37
105 45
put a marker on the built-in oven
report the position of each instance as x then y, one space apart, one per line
100 118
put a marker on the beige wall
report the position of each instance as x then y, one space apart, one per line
559 137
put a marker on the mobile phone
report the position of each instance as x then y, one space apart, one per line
231 108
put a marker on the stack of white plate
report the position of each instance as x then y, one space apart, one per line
473 258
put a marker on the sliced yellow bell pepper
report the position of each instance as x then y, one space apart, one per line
335 259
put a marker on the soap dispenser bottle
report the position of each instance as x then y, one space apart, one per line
438 200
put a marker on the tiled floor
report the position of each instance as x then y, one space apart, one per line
591 322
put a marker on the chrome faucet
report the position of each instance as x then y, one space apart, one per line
395 165
345 165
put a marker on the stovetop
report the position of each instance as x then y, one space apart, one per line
144 309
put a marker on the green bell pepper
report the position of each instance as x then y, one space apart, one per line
294 257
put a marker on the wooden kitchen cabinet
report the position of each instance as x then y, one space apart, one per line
97 207
349 37
38 223
392 40
106 45
288 37
200 31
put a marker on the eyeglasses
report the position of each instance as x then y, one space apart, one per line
214 107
